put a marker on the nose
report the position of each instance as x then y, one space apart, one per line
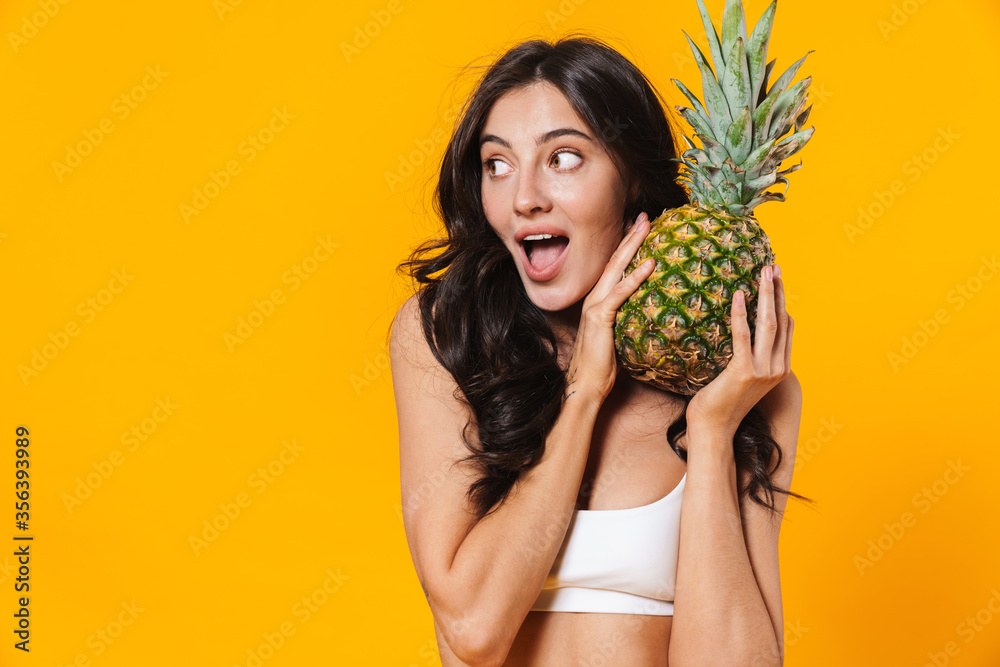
532 194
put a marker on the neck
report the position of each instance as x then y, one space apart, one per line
565 324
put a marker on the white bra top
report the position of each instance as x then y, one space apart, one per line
618 561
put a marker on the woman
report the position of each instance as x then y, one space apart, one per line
560 538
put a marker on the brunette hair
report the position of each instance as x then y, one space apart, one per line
476 316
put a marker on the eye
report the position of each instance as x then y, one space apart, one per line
566 160
496 167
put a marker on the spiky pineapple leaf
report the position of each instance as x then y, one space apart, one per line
790 145
788 106
696 121
715 101
698 155
756 160
739 139
702 182
731 172
794 167
713 41
760 184
716 152
695 102
736 83
762 119
737 169
789 74
801 119
734 26
757 49
763 83
729 192
765 197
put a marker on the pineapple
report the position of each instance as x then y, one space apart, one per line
674 331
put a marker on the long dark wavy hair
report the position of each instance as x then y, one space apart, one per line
476 316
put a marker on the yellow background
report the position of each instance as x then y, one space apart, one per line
889 79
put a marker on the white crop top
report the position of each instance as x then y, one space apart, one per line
618 561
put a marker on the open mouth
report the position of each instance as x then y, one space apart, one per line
543 255
543 250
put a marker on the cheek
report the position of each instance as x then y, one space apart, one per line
490 200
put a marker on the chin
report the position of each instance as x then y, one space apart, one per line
567 289
553 299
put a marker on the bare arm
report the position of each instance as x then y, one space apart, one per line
503 562
721 615
481 577
761 528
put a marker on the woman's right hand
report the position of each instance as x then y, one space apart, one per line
593 365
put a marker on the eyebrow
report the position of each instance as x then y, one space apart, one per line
548 136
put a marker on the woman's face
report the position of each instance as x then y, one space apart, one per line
545 173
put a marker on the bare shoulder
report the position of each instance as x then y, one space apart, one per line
416 372
407 329
436 516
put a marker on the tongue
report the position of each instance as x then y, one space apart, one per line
546 251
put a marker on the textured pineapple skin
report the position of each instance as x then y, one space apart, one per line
674 331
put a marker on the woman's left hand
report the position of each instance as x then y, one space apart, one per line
720 406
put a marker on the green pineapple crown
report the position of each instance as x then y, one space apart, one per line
742 122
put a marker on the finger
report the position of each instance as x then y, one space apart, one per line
778 353
767 322
613 271
788 343
628 285
740 327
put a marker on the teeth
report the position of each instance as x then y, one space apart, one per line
538 237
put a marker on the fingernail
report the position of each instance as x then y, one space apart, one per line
777 271
767 272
